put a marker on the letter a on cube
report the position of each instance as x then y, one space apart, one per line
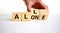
16 16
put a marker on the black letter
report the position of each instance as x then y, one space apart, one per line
25 16
16 16
34 12
32 17
43 16
36 17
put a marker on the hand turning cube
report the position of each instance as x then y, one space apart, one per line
35 14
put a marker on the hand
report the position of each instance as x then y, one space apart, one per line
37 4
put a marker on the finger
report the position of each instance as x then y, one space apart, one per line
29 8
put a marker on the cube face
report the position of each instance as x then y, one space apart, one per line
16 16
43 14
35 14
34 11
34 17
26 16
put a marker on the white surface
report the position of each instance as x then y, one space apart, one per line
52 25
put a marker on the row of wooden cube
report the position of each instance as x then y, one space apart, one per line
35 14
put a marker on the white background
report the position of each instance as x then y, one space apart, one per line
52 25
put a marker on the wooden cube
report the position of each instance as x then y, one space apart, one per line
35 14
34 11
26 16
16 16
43 14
